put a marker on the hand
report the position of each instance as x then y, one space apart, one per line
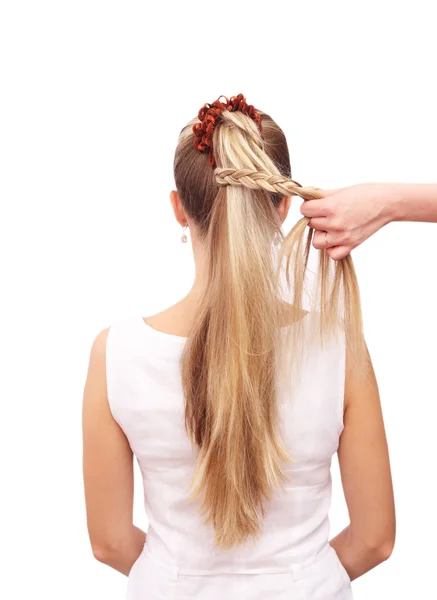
343 218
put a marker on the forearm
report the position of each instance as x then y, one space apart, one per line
413 202
356 556
121 557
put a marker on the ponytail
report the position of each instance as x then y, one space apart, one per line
228 370
229 362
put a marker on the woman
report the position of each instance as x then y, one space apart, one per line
234 401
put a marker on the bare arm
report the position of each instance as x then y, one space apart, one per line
108 472
344 218
415 202
366 478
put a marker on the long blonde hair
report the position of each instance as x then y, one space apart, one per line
228 365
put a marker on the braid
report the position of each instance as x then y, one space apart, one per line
266 181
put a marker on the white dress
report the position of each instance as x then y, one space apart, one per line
292 560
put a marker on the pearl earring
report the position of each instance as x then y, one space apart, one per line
183 236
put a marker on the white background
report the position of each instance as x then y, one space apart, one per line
93 97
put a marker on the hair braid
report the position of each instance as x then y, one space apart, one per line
266 181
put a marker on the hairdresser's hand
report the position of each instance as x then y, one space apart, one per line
345 217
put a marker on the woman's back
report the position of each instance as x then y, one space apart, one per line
146 399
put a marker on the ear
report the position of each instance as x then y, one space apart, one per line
178 208
283 207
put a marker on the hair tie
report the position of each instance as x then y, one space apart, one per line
209 115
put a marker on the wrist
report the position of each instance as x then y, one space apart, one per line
396 202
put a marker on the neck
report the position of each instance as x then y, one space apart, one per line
200 279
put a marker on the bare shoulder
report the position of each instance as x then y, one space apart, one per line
360 388
96 374
95 390
98 347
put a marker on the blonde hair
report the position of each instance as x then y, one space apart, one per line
229 367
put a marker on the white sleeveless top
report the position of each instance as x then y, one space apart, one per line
292 560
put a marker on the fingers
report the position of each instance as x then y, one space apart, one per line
319 240
319 223
314 208
319 207
322 240
320 214
339 252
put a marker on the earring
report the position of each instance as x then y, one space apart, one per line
183 236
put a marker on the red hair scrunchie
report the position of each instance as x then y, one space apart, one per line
209 115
